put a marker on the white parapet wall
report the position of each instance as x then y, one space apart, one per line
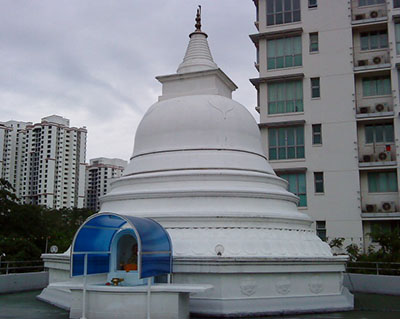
375 284
23 282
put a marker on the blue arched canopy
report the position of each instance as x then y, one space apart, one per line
95 236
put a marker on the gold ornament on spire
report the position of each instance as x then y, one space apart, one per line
198 19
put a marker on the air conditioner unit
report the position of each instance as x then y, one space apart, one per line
388 207
378 59
380 107
370 208
367 158
384 156
365 109
362 62
359 17
373 14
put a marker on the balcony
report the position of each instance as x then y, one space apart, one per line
371 109
371 60
380 210
377 156
369 14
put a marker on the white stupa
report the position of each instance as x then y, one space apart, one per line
198 168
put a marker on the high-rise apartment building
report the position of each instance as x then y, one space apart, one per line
100 172
328 98
12 147
45 162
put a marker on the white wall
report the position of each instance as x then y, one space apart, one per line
21 282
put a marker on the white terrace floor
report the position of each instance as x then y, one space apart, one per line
25 306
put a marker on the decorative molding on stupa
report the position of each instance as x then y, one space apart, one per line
265 241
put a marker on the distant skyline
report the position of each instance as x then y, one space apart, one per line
94 61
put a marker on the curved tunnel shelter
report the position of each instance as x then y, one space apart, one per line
95 237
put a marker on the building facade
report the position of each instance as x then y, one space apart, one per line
328 92
45 162
99 173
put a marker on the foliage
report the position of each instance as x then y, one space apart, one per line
7 196
336 243
385 249
353 251
389 245
25 229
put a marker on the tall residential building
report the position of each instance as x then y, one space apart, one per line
328 92
45 162
12 147
100 172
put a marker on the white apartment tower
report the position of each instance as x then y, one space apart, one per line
328 92
99 173
12 148
45 162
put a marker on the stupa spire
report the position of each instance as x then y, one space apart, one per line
198 56
198 19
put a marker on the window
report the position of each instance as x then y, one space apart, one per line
376 86
285 97
297 186
369 2
284 53
315 88
396 3
316 134
374 40
312 3
314 42
397 32
282 11
319 182
379 133
321 229
382 182
286 142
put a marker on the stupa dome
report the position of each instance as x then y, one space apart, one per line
198 131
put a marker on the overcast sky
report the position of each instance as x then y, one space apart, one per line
94 61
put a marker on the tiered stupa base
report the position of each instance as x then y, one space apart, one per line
265 286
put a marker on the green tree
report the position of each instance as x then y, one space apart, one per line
8 199
389 242
25 229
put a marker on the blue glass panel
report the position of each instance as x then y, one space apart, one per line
93 239
152 235
98 263
154 265
77 265
106 221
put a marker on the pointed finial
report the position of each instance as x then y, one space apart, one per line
198 19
